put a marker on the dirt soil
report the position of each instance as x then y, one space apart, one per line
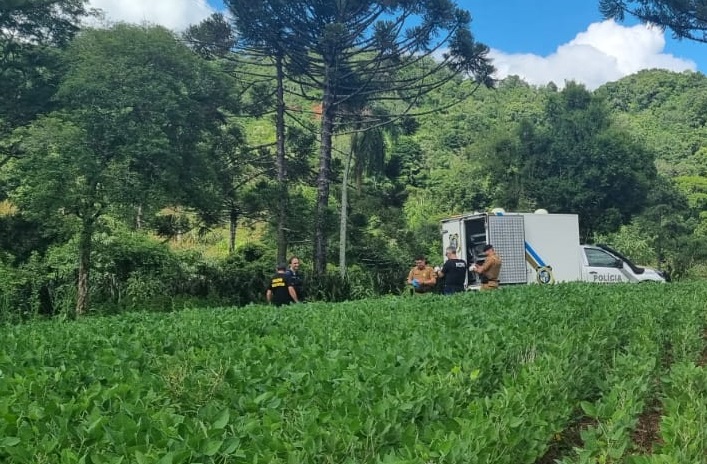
645 437
647 432
564 443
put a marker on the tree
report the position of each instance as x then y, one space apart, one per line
669 230
262 32
135 105
668 111
367 154
686 18
212 38
31 34
577 161
362 50
238 167
29 31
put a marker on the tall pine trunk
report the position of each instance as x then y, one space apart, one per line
323 179
232 227
283 199
344 215
138 218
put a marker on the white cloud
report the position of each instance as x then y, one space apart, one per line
605 52
173 14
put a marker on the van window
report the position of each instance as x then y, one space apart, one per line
599 258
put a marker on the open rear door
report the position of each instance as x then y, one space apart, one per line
452 235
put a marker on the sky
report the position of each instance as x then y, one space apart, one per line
540 41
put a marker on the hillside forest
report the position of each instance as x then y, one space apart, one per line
145 169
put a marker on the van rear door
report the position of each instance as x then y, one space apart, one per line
452 236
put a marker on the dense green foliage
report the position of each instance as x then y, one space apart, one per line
498 376
134 145
577 145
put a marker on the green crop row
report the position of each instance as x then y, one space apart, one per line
487 378
624 389
683 428
615 414
630 388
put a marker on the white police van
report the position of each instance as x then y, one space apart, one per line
538 248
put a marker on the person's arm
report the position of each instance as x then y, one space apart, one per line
440 273
483 268
290 282
293 293
268 295
410 277
431 278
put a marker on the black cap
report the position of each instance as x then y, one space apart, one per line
281 267
488 247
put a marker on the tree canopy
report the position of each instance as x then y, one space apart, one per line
127 135
31 32
348 51
686 19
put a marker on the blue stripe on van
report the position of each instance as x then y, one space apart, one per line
535 256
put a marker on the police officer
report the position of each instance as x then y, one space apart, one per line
489 270
280 291
295 277
453 271
421 277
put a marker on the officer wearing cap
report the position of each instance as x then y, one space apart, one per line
489 270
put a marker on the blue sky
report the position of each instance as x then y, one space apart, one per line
541 41
536 27
539 27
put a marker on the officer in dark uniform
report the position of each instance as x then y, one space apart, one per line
295 277
453 271
280 291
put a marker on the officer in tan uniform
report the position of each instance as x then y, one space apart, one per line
422 276
490 270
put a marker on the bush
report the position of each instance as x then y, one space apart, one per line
133 271
241 278
359 282
27 290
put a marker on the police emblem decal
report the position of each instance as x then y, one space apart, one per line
544 275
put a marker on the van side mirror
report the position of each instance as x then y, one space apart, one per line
619 264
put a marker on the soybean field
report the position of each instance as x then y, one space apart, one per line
571 373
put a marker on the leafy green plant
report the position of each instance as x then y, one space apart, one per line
419 380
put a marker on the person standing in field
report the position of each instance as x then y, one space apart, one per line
489 270
422 277
295 277
280 291
453 271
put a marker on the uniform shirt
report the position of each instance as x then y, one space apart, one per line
491 268
296 281
454 271
279 287
423 275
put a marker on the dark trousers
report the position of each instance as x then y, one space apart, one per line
452 290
